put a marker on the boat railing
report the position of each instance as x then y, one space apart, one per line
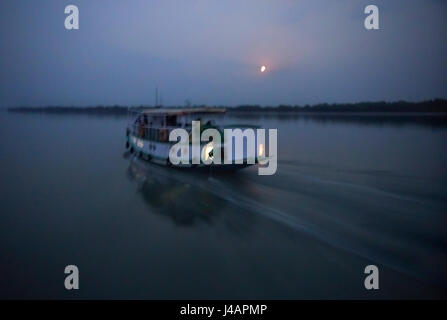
147 132
159 132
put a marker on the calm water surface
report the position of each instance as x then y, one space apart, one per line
349 191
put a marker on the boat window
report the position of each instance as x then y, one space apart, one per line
171 121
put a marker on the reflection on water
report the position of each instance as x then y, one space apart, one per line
177 195
186 197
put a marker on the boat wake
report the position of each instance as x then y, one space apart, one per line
342 215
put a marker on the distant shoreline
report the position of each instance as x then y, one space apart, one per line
430 106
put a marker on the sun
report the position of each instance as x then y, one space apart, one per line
263 68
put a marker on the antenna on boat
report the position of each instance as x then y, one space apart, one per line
156 96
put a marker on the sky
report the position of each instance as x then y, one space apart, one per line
211 51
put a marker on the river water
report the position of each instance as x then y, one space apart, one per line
350 191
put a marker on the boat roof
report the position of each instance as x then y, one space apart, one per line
181 111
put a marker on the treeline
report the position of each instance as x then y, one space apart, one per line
436 105
99 110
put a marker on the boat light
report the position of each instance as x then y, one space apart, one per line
208 152
260 150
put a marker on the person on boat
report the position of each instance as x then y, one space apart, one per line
140 126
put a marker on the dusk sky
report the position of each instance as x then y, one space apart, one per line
211 51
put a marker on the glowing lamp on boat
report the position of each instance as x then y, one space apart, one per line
140 143
260 150
207 152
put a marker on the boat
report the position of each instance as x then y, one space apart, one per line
148 130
